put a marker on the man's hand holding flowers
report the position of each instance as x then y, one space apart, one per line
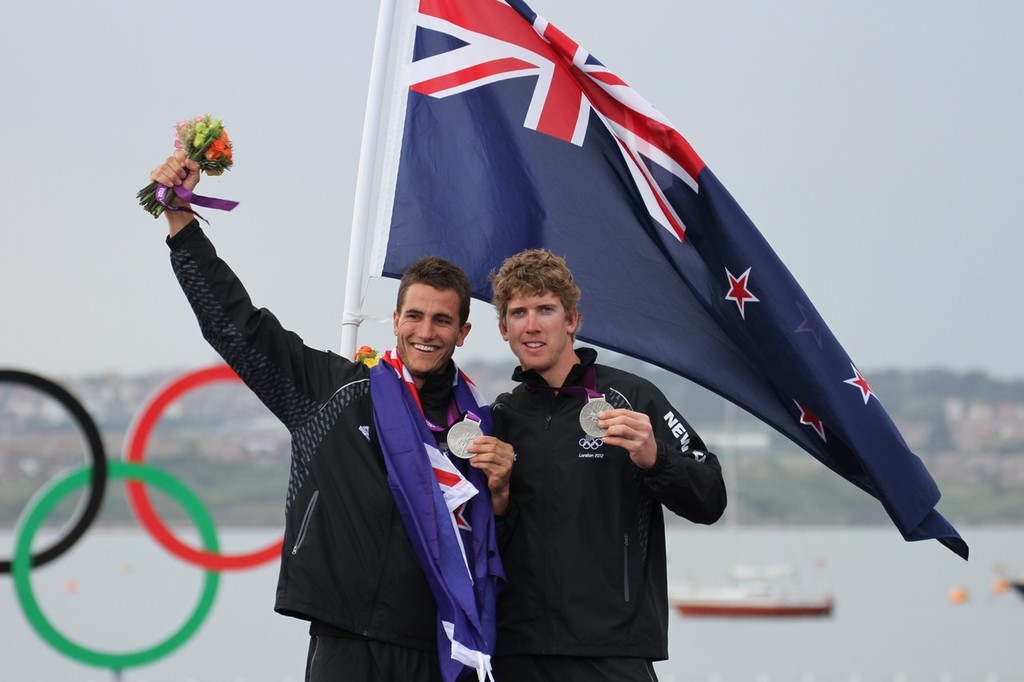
177 170
201 144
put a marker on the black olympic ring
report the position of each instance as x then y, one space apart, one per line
98 483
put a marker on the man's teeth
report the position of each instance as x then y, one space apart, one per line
425 349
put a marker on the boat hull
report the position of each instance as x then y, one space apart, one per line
814 609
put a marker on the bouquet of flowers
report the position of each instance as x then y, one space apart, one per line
367 355
203 139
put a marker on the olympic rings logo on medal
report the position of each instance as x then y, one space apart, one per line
588 443
137 475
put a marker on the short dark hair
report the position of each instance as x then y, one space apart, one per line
440 274
535 272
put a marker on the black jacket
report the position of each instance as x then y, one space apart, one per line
584 539
347 563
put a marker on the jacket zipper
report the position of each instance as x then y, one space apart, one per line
316 650
625 565
546 624
305 522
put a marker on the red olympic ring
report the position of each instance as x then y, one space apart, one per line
138 498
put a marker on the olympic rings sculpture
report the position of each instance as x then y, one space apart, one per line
137 475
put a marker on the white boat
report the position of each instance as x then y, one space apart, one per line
770 591
765 593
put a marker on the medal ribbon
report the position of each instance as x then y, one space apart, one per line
589 386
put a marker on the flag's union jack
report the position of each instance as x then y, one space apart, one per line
570 84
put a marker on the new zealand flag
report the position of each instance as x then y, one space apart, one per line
507 135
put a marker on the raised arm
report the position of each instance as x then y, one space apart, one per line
177 170
292 379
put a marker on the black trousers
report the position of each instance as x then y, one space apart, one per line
339 659
571 669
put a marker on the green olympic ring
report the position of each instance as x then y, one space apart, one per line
21 565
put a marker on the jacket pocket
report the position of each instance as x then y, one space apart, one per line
306 519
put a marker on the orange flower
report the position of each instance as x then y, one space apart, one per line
226 141
367 355
219 148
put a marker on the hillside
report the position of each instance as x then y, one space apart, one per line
967 428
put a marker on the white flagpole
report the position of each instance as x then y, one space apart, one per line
355 278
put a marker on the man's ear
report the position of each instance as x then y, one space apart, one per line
572 321
463 333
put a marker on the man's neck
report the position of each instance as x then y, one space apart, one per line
435 392
556 375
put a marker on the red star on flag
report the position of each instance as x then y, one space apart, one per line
738 291
460 518
860 382
808 419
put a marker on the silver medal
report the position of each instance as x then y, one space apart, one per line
461 435
588 416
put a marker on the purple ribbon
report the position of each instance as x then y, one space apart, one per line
589 386
190 197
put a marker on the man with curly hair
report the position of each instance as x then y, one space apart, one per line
599 452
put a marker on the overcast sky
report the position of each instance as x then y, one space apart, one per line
877 145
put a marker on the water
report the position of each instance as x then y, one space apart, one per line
894 621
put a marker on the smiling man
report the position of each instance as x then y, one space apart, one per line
372 476
599 452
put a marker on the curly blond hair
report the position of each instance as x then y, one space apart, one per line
535 272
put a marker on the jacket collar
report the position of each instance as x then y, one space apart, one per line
587 357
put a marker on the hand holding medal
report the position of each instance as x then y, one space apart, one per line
493 456
631 431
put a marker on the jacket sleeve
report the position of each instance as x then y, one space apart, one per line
291 379
686 478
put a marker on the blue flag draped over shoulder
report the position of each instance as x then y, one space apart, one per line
447 515
504 135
